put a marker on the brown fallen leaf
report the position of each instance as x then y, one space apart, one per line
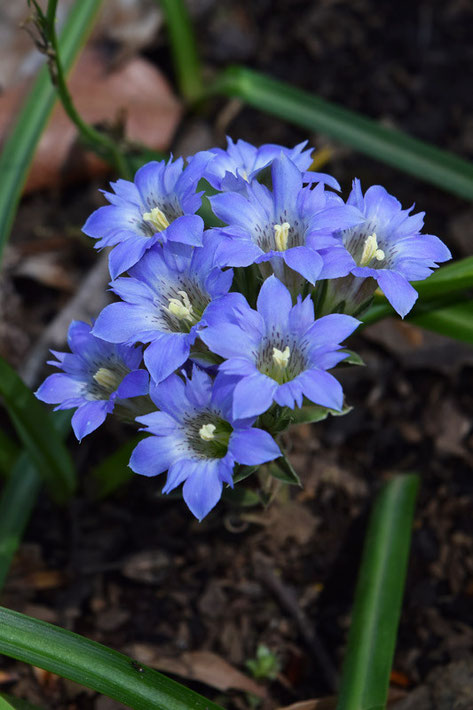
330 702
203 666
135 92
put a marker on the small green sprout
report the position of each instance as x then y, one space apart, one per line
266 665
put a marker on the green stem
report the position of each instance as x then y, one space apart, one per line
89 134
184 49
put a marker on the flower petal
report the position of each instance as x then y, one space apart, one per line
253 395
253 446
203 489
89 417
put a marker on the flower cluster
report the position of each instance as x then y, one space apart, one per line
220 334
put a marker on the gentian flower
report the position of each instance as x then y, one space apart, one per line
165 298
290 227
159 206
279 352
96 377
232 169
388 247
198 440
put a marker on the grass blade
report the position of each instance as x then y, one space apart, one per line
113 472
8 454
377 607
183 48
9 702
19 497
389 145
35 430
454 321
93 665
19 148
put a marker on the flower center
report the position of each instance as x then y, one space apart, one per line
107 380
371 251
181 308
157 219
281 357
207 432
281 235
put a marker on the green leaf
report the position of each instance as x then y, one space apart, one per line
113 472
241 497
310 414
353 358
183 48
35 430
19 497
19 148
93 665
283 470
378 597
312 113
243 472
454 321
448 279
8 453
9 702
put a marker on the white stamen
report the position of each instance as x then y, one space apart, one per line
281 357
182 309
107 379
157 218
207 432
281 234
371 251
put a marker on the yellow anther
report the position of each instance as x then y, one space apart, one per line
281 235
281 357
181 308
371 251
107 379
207 432
157 218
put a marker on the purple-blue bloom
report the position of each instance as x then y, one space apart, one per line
159 206
197 440
290 227
388 246
164 300
232 169
279 353
96 376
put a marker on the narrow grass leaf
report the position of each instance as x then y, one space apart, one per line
8 453
389 145
18 499
378 597
454 321
40 439
18 149
9 702
93 665
184 49
113 472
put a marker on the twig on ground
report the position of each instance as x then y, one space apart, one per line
288 601
87 302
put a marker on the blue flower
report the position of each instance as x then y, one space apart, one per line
291 227
158 206
96 376
388 247
198 440
279 352
164 299
232 169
